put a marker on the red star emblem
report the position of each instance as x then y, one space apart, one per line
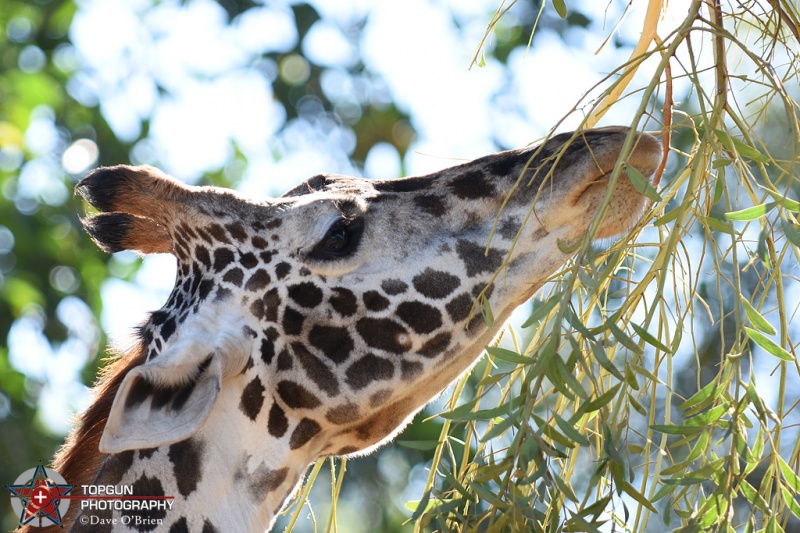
40 497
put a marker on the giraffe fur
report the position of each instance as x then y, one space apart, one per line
318 323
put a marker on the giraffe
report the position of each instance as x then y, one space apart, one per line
318 323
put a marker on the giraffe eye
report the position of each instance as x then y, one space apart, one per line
340 241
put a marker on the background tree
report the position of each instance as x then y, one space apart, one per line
652 385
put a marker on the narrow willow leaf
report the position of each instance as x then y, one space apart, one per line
742 148
623 338
587 280
488 316
671 429
561 8
663 491
464 412
601 357
789 475
699 446
721 162
708 418
648 338
542 310
637 406
631 491
552 433
714 467
768 345
578 523
642 184
595 508
706 394
667 217
556 377
752 496
791 232
719 187
685 480
601 401
646 373
498 429
751 213
508 356
570 379
576 323
571 248
786 203
710 511
762 250
773 526
570 431
420 506
722 226
677 467
761 323
791 503
565 488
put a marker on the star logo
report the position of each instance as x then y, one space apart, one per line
37 494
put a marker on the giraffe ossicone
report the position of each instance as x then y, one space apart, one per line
318 323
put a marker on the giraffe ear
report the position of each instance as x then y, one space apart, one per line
161 403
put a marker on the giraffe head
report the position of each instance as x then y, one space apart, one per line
319 322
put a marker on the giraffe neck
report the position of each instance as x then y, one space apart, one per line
226 477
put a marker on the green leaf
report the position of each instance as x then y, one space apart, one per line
761 323
508 356
649 339
601 401
786 203
464 412
742 148
565 488
570 431
623 338
791 232
770 346
571 248
671 429
570 379
751 213
667 217
789 475
600 354
561 8
752 496
488 316
542 310
791 503
631 491
642 184
722 226
706 394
